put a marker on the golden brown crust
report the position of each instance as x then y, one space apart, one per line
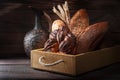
57 23
80 19
90 37
74 35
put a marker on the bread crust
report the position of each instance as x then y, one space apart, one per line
90 37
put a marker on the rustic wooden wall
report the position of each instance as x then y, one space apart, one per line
16 19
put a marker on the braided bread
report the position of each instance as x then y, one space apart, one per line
60 39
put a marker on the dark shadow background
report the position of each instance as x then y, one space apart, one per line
16 19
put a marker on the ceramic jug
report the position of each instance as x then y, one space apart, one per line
36 38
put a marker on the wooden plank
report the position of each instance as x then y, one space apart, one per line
25 72
11 69
97 59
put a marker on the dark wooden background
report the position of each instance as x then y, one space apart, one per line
16 19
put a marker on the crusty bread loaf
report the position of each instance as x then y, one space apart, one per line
87 36
79 21
90 37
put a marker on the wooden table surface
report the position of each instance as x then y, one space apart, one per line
14 69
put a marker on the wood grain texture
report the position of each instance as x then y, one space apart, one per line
75 64
22 71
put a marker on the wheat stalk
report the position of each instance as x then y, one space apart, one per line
67 13
57 12
49 20
63 12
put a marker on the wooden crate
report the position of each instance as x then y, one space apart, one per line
74 64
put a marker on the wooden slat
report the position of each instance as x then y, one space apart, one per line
20 69
25 72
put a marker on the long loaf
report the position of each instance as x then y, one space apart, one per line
90 37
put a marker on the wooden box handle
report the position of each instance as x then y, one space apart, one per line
49 64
